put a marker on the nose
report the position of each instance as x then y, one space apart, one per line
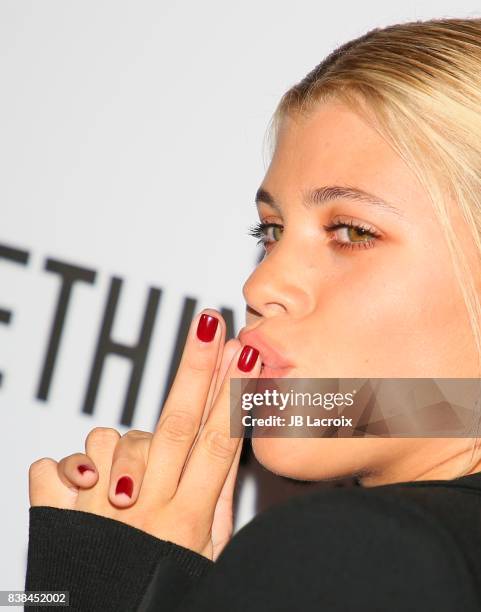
280 285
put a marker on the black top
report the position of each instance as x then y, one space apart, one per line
412 546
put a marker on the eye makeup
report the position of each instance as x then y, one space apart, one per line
346 234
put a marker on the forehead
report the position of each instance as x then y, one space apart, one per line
334 145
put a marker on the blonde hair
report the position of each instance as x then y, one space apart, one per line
418 84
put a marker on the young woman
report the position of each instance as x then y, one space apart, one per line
370 215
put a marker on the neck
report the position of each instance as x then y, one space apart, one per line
438 459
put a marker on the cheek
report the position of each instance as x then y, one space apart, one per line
400 318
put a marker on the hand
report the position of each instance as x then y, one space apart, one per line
182 476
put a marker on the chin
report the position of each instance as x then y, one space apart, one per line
313 458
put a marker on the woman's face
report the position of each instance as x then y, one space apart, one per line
344 303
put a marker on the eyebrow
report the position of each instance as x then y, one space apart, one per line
329 193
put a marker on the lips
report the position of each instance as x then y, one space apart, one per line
274 363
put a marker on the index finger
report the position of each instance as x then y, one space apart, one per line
182 412
223 361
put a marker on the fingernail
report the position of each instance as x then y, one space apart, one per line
85 468
206 327
247 358
125 485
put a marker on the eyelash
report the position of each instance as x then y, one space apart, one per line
259 230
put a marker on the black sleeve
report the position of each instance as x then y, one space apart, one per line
107 565
334 550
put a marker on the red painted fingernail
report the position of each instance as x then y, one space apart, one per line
206 327
85 468
247 358
125 485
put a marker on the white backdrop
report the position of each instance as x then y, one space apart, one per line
131 147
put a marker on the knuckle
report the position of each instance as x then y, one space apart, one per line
200 363
135 444
218 444
137 434
99 436
201 360
178 426
38 468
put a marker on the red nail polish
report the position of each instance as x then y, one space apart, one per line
125 485
84 468
207 327
247 358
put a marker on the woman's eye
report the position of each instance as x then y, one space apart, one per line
267 232
352 235
346 234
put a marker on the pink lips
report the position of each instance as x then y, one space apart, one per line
274 363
